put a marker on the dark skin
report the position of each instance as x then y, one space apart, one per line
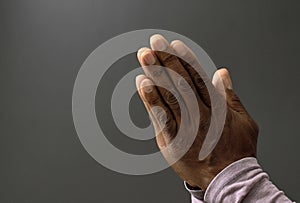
239 136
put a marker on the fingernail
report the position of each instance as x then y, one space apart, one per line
180 49
148 57
140 51
158 43
227 83
138 80
147 86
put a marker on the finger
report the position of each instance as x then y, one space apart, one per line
158 75
159 138
223 83
182 80
218 83
195 70
155 105
138 81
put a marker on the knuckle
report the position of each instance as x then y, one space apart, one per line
184 84
168 58
169 124
170 128
163 118
153 100
158 112
172 98
156 73
165 121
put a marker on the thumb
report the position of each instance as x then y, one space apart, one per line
223 84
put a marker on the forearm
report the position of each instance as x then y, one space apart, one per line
242 181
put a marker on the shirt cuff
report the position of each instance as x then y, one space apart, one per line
227 175
195 192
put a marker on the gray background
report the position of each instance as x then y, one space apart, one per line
43 44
